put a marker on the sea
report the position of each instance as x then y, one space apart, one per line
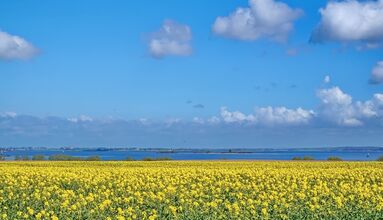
352 155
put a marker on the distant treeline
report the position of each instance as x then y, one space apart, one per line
64 157
150 159
331 158
57 157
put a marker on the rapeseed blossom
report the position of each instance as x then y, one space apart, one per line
191 190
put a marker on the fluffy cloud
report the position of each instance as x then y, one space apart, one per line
235 116
377 73
81 118
8 114
198 120
263 19
338 107
351 21
24 131
334 96
338 120
269 116
15 47
172 39
283 116
214 120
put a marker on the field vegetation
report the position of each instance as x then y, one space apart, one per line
190 190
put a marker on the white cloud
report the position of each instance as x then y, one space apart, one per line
338 107
235 116
283 116
263 19
327 79
172 121
172 39
351 21
144 121
198 120
214 120
378 99
81 118
377 73
8 114
370 108
27 130
334 96
15 47
269 116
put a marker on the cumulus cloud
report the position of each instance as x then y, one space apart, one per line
283 116
351 21
8 114
269 116
15 47
172 121
377 73
81 118
338 107
214 120
198 120
263 19
24 131
172 39
235 116
337 116
334 96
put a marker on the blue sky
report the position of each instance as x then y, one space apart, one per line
192 64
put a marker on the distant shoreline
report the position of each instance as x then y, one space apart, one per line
199 150
335 153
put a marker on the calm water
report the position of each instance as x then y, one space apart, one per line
272 155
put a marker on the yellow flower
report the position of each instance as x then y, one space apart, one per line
210 189
264 211
173 209
120 217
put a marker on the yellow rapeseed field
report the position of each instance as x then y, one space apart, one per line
191 190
